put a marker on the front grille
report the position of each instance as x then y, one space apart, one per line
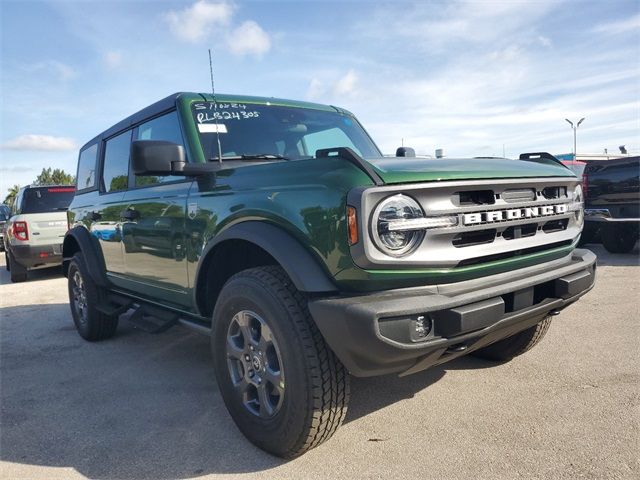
474 238
497 219
555 226
473 198
521 231
551 193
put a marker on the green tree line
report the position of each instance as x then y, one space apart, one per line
48 176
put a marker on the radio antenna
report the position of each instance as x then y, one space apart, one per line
215 108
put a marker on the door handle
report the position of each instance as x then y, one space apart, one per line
130 214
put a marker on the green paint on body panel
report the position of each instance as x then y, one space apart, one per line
305 196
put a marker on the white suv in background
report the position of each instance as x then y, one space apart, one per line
36 229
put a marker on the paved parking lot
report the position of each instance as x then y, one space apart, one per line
146 406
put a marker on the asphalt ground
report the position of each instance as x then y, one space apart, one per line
147 406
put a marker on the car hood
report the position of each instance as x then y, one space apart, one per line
411 170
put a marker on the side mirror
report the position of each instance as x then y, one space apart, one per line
156 157
405 152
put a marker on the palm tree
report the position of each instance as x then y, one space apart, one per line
11 196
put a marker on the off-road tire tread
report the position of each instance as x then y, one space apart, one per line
515 345
102 326
17 272
330 380
619 239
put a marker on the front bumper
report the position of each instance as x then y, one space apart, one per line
604 215
375 334
31 256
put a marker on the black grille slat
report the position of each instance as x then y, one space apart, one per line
555 226
478 237
474 197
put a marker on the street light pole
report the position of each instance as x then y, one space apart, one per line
575 135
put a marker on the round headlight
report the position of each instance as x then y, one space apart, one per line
578 205
396 242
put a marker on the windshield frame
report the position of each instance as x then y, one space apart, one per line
374 152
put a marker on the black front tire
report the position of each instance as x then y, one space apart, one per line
316 393
17 272
619 238
84 297
507 349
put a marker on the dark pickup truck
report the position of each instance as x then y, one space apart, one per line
612 189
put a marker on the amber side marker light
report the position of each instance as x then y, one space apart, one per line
352 225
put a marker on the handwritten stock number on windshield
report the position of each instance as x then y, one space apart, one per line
204 117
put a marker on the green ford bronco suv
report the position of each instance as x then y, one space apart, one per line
279 229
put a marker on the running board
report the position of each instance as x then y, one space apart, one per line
149 318
153 320
115 305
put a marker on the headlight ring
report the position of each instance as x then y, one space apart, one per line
394 209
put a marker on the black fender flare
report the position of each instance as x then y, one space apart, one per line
90 249
303 269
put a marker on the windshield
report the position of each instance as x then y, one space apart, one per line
290 132
46 199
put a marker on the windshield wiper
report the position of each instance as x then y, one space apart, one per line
252 156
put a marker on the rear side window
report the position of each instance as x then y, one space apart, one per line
115 172
46 199
86 177
167 128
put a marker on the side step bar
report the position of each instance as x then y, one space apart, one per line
147 317
153 320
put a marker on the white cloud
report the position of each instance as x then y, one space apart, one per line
436 26
544 41
194 23
333 84
249 39
53 67
47 143
113 59
316 89
621 26
347 84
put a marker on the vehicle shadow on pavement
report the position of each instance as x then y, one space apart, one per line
371 394
34 275
137 406
606 259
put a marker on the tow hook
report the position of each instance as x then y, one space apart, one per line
554 312
457 348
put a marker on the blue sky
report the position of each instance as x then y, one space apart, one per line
468 76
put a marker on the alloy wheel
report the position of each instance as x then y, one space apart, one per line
255 365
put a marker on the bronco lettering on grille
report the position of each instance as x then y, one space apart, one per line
513 214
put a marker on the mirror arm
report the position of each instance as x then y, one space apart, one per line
193 169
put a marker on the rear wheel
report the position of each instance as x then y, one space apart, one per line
18 271
515 345
84 298
619 238
283 386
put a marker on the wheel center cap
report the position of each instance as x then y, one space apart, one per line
256 362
